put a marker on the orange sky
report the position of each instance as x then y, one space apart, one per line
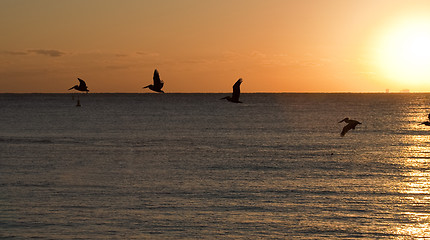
201 46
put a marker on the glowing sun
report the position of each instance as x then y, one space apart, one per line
404 53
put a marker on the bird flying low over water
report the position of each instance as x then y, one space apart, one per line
236 92
427 123
158 83
81 87
351 125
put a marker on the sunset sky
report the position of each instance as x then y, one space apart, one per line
205 46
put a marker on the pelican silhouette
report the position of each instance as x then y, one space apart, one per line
427 123
158 83
351 125
236 92
81 87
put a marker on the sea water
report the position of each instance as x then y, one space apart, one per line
191 166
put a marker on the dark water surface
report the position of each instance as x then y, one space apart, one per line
189 166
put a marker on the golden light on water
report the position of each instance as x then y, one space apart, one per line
418 230
415 187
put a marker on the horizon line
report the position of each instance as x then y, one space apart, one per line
340 92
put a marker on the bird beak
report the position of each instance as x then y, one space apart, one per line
343 120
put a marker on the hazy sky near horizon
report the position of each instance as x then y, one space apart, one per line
205 46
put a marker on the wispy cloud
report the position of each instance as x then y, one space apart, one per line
47 52
118 67
121 55
16 53
148 54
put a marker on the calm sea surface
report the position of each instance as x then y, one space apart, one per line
190 166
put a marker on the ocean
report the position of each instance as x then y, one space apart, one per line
191 166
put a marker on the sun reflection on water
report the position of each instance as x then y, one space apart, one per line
415 186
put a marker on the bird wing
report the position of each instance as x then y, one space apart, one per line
157 81
346 129
82 83
349 126
356 123
236 89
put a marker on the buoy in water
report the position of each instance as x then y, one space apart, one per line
78 104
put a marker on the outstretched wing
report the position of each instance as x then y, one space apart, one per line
236 89
157 81
349 126
82 83
346 129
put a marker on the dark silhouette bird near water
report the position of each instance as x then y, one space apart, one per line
236 92
351 125
158 83
427 123
81 87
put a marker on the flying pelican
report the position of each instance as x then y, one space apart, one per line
236 92
427 123
158 83
82 86
351 125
